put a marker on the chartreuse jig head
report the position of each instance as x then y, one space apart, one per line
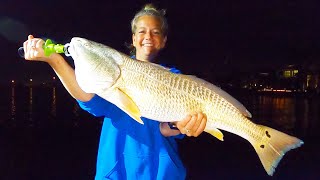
49 47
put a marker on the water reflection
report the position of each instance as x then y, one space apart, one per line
61 123
284 111
305 122
277 110
30 107
76 114
54 102
13 103
288 113
307 110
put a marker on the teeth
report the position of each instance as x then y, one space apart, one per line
149 45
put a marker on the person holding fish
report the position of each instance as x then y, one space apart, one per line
127 149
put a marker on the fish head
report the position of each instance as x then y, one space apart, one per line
96 65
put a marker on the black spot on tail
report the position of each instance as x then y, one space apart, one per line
262 146
267 133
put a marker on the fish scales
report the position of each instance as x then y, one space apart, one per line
167 95
175 90
143 89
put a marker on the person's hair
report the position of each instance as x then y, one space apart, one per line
149 10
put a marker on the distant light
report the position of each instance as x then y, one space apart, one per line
54 78
30 80
264 74
12 81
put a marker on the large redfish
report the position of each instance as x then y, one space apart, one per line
144 89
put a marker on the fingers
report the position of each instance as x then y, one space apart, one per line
197 123
190 127
39 44
25 46
29 49
30 37
193 125
202 124
182 124
33 48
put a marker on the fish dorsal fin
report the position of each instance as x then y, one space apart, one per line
215 132
126 104
223 94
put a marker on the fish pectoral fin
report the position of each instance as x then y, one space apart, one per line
126 104
215 132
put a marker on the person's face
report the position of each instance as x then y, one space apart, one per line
148 38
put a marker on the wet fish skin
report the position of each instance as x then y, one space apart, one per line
144 89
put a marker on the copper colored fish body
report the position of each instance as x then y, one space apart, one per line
144 89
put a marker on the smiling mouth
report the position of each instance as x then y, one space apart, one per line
148 45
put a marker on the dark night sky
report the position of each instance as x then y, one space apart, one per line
209 38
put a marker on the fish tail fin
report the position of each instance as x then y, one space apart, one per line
273 146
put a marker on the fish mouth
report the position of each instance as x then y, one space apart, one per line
71 50
77 39
75 43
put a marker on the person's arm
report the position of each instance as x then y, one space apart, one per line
34 52
67 76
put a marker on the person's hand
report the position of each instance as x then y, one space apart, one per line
192 125
33 50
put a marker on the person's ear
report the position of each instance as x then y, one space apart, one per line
164 42
133 40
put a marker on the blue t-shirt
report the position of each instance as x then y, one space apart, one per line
129 150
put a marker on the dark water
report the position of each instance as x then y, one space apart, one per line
44 135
